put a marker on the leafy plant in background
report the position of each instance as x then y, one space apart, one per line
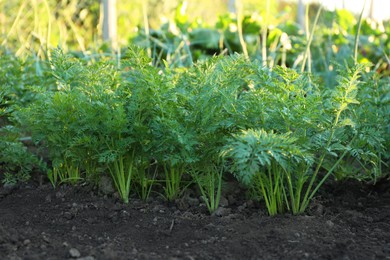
16 162
16 78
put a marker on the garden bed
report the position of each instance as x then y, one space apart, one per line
346 221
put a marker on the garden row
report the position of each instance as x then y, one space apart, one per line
280 133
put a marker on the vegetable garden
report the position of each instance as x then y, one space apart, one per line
266 142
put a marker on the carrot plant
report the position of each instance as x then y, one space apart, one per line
173 149
17 77
212 90
281 131
16 162
68 118
303 134
141 89
267 160
172 142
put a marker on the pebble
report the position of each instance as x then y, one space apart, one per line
74 253
124 214
106 186
48 198
193 202
113 215
86 258
250 204
330 223
231 200
9 186
60 194
156 209
68 215
242 207
319 211
222 212
187 214
7 189
223 202
46 239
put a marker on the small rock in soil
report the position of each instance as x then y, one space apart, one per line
242 207
319 210
222 212
193 202
105 185
329 223
68 215
74 253
86 258
60 194
187 215
7 189
9 186
250 204
223 202
124 214
232 200
48 198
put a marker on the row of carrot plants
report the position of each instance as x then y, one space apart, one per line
280 132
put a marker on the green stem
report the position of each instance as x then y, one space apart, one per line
328 174
265 195
307 51
355 56
319 165
308 37
240 32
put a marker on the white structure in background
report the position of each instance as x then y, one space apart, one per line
110 22
376 9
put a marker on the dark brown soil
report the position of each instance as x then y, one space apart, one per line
347 221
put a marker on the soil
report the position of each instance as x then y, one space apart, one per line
346 221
